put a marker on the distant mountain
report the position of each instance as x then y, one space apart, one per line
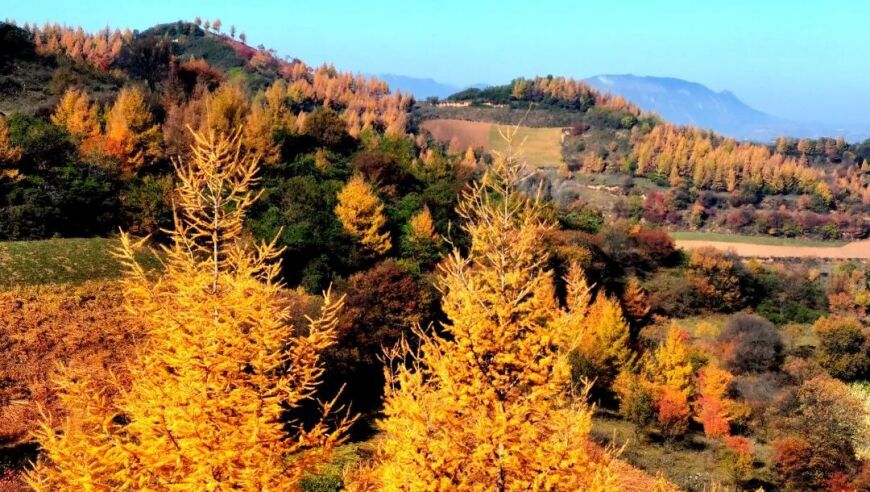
689 103
422 88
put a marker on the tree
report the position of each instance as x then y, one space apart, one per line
233 31
486 408
635 301
243 37
197 20
842 350
132 137
420 242
75 112
9 152
209 392
362 214
713 408
216 25
670 365
603 348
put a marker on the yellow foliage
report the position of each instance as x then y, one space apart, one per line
9 154
362 214
670 365
422 226
487 408
131 135
227 108
220 365
77 114
606 336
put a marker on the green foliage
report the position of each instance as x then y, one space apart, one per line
62 261
842 349
585 219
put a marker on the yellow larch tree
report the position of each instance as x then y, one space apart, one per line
221 366
10 153
77 114
635 300
488 408
422 227
670 365
361 213
604 343
131 134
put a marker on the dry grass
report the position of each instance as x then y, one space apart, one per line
539 147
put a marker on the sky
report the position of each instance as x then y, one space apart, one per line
801 60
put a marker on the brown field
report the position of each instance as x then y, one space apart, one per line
539 147
467 133
854 250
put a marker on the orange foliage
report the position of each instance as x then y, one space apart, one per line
98 50
708 161
82 326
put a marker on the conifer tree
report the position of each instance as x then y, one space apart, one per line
635 301
220 367
362 214
10 153
75 112
487 407
131 134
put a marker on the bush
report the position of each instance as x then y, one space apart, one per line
750 344
842 349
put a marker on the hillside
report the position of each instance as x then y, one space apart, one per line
689 103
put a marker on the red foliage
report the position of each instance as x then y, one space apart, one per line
673 412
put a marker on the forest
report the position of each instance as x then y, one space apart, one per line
284 283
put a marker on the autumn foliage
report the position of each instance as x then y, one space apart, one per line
486 409
208 393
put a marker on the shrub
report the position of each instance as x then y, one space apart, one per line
791 461
739 457
750 344
842 349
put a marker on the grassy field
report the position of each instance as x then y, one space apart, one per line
737 238
540 147
61 261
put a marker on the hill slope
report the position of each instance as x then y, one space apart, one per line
689 103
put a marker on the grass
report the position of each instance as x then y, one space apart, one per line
692 464
540 147
737 238
53 261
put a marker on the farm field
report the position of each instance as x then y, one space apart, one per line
772 247
540 147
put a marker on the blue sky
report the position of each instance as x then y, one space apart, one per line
804 60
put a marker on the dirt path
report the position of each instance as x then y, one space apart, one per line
854 250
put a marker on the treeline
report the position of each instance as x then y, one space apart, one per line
549 91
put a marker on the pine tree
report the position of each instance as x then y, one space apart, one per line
362 214
486 408
208 393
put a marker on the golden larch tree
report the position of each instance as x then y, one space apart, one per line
77 114
488 407
131 134
221 366
361 213
10 153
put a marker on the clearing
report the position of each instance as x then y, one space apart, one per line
540 147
